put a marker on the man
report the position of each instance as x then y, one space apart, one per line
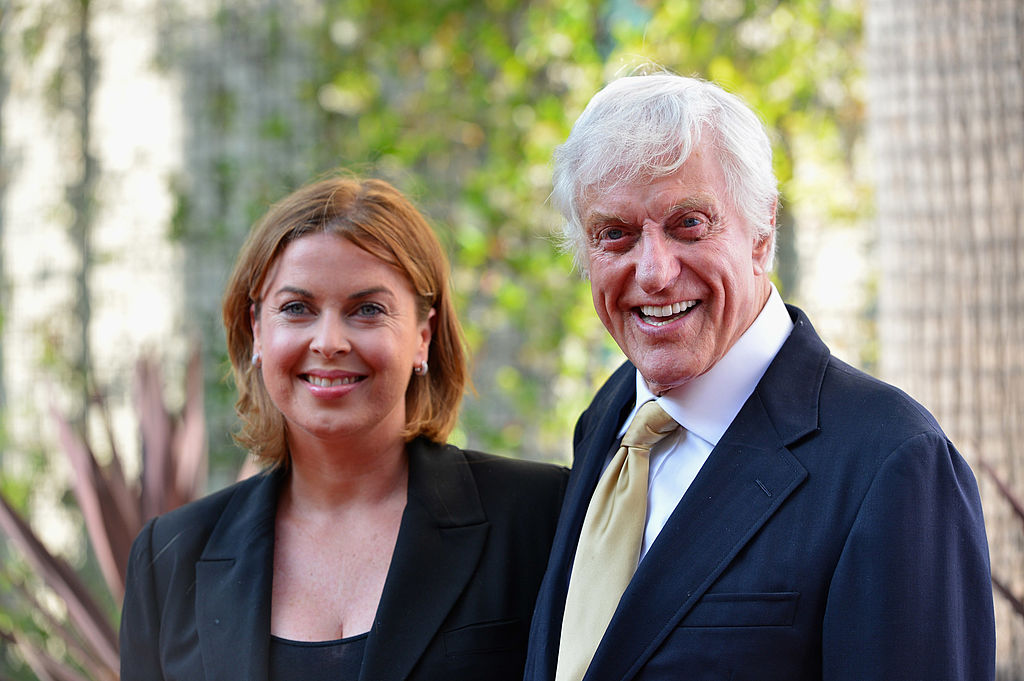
803 520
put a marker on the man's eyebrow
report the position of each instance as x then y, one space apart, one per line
600 218
696 202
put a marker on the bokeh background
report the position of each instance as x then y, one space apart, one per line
139 140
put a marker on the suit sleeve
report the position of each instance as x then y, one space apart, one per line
140 625
911 597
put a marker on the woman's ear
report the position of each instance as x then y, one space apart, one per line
427 333
254 324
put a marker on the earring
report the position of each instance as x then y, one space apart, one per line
421 368
256 359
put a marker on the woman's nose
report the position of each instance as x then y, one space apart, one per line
330 337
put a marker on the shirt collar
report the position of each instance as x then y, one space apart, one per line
707 404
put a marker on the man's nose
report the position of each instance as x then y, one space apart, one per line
657 266
330 336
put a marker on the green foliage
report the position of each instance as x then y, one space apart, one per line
461 103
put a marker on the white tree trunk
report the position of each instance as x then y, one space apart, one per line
946 98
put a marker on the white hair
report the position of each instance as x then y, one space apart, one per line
646 126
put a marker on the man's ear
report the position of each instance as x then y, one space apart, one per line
764 245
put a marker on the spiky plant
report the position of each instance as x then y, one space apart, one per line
81 644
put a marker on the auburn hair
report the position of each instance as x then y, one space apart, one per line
379 219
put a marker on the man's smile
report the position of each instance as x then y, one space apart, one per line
660 315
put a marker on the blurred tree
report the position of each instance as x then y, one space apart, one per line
460 103
463 103
947 124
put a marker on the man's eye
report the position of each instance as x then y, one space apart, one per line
369 310
613 234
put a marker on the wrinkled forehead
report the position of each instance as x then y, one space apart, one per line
621 177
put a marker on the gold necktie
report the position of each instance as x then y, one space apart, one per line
609 544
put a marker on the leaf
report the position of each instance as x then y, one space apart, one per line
110 537
156 428
44 666
85 613
80 652
190 460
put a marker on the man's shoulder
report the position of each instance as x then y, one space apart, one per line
851 392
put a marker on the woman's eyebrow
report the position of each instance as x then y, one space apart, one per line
373 290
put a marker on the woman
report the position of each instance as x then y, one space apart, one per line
367 549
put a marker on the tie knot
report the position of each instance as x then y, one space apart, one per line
649 426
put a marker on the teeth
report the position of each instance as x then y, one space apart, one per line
666 310
331 382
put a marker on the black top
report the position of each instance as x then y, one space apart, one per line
338 660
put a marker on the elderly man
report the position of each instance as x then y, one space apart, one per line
742 504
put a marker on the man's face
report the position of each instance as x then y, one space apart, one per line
675 271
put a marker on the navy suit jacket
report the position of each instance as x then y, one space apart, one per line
833 534
470 554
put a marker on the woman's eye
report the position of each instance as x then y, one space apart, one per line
294 308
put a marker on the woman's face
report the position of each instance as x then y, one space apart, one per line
338 335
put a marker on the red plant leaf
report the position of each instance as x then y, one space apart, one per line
81 653
111 539
190 460
85 613
156 428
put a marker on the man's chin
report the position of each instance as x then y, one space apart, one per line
660 380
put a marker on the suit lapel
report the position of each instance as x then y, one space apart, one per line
233 585
440 541
745 480
738 489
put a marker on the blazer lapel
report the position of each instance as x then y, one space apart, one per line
739 488
233 585
440 540
747 477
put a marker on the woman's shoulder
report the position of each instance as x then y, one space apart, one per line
192 523
484 463
517 481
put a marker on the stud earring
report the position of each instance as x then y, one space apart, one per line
256 359
421 368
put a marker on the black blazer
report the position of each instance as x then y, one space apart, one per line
833 534
471 551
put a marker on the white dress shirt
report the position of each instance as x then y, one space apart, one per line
705 407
